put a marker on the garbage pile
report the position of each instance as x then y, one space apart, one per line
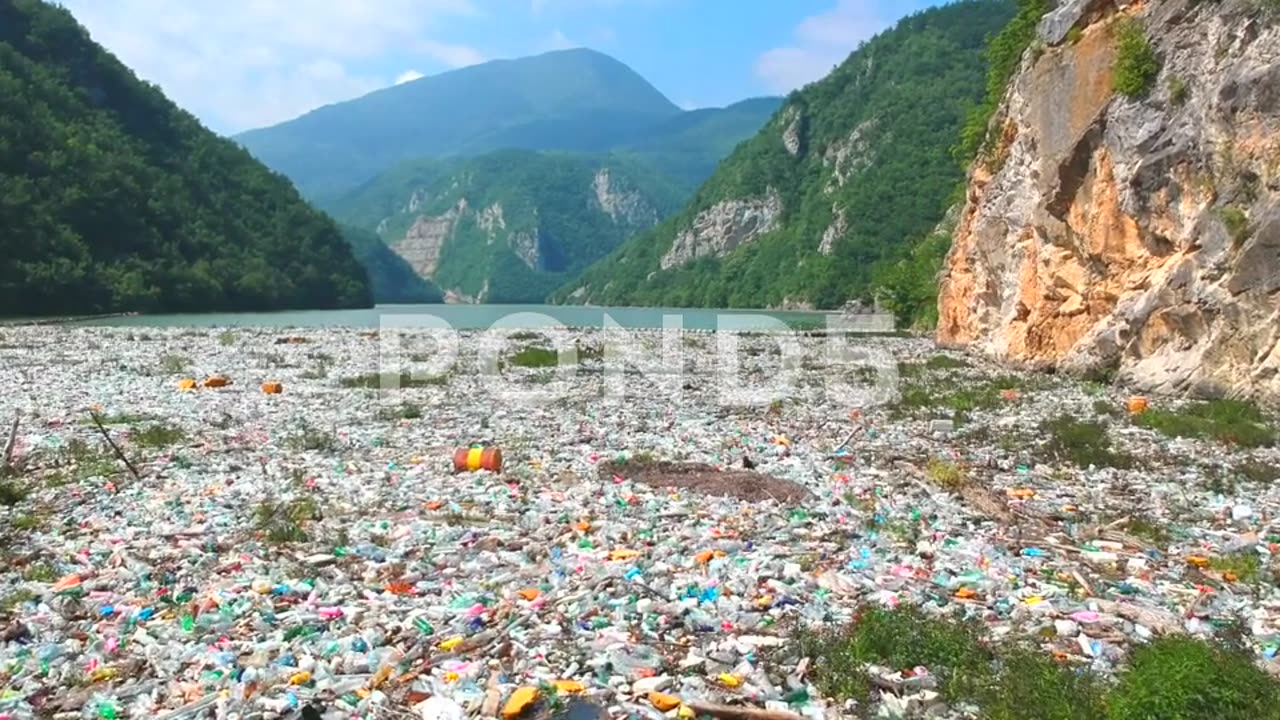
323 546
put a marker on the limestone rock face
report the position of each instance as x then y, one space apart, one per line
620 203
1102 232
422 244
720 229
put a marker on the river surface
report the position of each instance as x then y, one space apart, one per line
479 317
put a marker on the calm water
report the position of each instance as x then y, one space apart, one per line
473 317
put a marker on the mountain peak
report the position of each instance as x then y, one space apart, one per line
573 100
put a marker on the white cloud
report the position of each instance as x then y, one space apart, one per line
821 42
557 40
408 76
240 64
455 56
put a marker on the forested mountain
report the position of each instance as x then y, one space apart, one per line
112 198
834 192
508 226
569 100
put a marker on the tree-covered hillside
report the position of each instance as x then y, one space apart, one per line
112 198
573 100
833 192
687 147
509 226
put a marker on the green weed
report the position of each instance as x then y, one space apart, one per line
11 493
313 439
175 364
283 522
1081 443
376 381
1234 422
535 357
1237 224
945 474
1179 677
158 436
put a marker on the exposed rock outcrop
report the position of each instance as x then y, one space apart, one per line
791 134
1103 232
836 230
720 229
850 156
422 244
622 204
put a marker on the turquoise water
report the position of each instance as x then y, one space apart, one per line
477 317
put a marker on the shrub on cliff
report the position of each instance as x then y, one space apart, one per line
1136 65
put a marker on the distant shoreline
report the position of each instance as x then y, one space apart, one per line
63 320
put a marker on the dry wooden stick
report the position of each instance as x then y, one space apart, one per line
13 441
731 712
98 421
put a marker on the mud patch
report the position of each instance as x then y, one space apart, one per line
703 479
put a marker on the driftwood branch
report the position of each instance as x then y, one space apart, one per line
12 442
732 712
115 448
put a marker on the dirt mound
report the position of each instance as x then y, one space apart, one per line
705 479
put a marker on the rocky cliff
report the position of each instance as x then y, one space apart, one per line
509 226
1135 231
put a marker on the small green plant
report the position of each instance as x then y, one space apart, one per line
1180 677
314 439
1030 684
1081 443
407 411
1179 91
158 436
283 522
947 475
899 639
175 364
1156 533
13 600
26 522
1136 65
1244 566
775 408
1237 224
1075 35
644 457
945 362
40 572
227 338
1234 422
376 381
123 418
11 493
535 357
1105 408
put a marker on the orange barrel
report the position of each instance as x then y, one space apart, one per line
477 457
216 381
1136 405
187 384
272 388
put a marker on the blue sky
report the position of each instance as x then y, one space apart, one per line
239 64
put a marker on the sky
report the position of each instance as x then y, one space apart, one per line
242 64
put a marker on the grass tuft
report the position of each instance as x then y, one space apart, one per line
158 436
1081 443
375 381
1234 422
